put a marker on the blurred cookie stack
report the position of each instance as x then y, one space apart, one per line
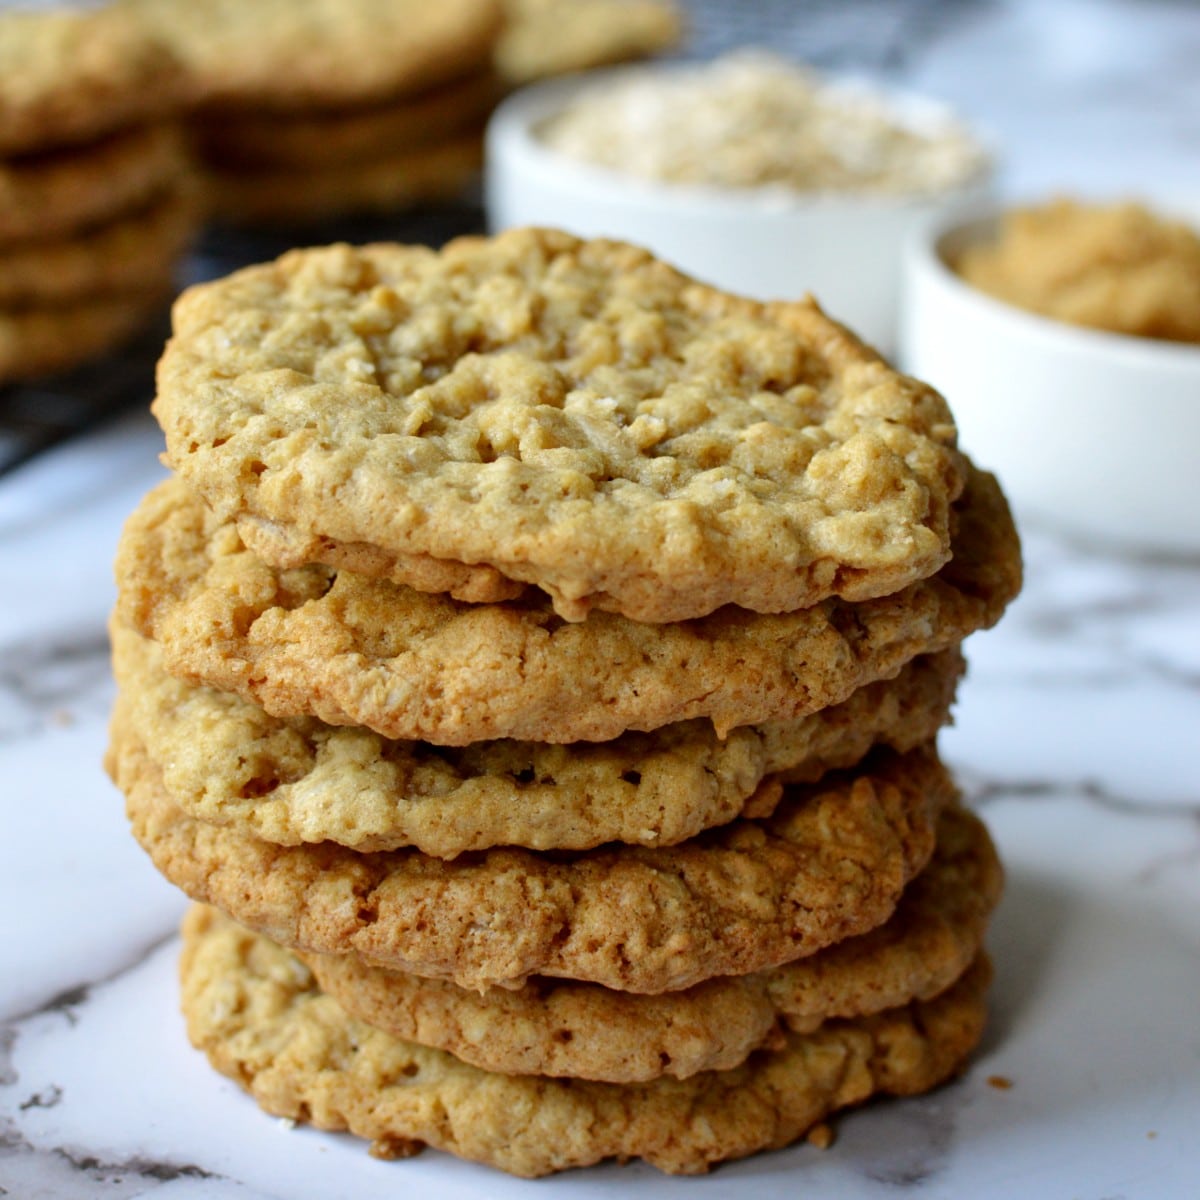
307 109
295 112
536 663
553 37
94 206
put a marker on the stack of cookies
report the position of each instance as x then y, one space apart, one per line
94 208
307 109
533 669
552 37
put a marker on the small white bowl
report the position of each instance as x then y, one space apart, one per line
1094 434
768 242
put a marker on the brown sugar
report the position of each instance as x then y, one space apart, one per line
1118 267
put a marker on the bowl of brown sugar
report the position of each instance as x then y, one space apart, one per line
1066 336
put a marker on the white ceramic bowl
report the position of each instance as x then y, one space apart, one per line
766 242
1095 434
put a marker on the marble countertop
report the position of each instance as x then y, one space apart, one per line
1076 735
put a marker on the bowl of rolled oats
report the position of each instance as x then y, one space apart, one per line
750 172
1066 335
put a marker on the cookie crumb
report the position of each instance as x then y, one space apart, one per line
63 718
820 1136
1001 1083
395 1147
1152 1134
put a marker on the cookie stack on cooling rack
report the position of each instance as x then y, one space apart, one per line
310 109
535 663
95 211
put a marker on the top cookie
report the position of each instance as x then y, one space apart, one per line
70 76
300 54
571 414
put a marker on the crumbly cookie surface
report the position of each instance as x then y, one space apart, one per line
552 37
1118 267
39 340
254 1011
829 863
69 76
576 415
227 762
305 194
356 651
347 136
558 1028
49 195
135 251
315 54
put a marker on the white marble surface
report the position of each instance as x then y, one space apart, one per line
1076 733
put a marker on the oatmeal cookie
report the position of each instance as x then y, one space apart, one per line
38 341
303 194
72 76
552 37
551 1027
61 192
829 863
256 1013
136 251
571 414
356 651
345 137
286 55
227 762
